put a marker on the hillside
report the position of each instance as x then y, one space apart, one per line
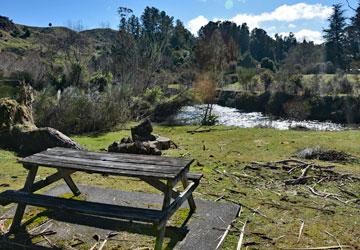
34 49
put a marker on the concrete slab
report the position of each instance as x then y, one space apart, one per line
201 231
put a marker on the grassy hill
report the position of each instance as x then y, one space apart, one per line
34 49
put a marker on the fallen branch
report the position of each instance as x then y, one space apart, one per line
301 179
241 238
251 209
318 248
301 231
223 237
198 131
334 239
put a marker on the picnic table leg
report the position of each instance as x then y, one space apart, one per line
20 210
69 181
191 201
166 203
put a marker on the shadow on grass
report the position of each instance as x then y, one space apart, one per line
22 238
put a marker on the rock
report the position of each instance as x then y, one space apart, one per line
126 140
142 132
137 147
19 133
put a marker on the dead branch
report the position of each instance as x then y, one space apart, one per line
264 165
334 239
301 179
254 210
301 230
318 248
223 237
241 238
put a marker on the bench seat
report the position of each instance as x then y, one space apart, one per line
195 177
84 207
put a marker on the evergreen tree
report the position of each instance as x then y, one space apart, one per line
354 35
335 38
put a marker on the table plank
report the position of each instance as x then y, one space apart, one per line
100 170
108 164
121 157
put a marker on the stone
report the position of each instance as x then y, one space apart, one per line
142 132
145 148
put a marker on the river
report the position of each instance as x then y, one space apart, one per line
191 115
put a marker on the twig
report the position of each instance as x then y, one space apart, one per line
241 238
301 179
103 244
301 231
350 5
94 246
335 239
223 237
318 248
251 209
221 197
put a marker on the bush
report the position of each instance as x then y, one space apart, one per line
100 81
297 109
267 63
154 95
78 112
267 79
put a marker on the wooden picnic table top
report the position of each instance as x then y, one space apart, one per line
130 165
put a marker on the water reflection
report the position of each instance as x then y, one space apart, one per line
233 117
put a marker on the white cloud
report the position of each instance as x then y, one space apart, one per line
291 25
308 35
195 24
284 13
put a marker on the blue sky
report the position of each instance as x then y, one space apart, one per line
305 18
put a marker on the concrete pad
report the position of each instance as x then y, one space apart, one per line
202 231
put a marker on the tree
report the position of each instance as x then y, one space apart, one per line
244 38
205 92
354 35
335 38
261 45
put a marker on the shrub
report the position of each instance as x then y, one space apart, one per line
100 81
267 63
297 109
267 79
154 95
79 112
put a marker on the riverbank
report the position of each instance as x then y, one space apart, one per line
225 152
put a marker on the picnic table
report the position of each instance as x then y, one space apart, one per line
163 173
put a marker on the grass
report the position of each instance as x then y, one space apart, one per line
230 150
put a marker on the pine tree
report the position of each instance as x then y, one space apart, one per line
335 38
354 35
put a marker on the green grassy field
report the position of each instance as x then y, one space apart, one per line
274 211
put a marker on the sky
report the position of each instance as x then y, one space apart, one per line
305 18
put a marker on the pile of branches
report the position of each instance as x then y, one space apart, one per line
293 172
